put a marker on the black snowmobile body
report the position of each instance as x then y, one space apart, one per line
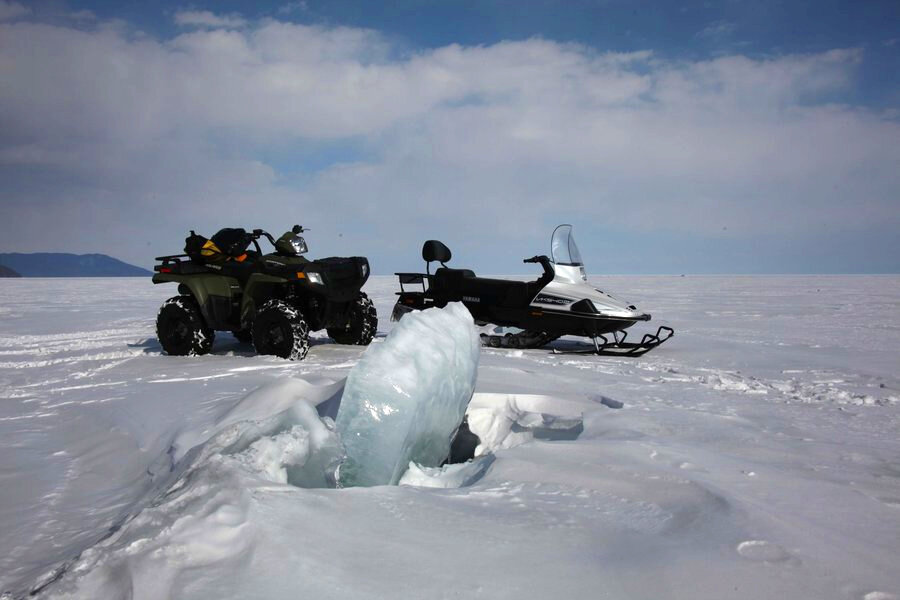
224 286
560 302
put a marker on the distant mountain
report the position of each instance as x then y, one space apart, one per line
58 264
7 272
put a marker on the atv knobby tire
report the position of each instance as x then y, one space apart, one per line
181 329
280 329
361 325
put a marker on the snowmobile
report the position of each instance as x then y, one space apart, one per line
560 302
272 300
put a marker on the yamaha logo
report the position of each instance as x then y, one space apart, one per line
471 299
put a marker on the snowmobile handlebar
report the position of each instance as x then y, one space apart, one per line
545 262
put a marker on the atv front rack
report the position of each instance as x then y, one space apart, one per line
603 346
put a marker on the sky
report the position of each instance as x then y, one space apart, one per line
678 137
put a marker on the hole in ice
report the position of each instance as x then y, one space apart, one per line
607 402
551 428
463 446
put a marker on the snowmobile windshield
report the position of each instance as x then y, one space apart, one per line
563 249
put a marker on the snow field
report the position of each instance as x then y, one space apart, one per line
754 455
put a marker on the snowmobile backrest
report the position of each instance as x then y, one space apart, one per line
434 250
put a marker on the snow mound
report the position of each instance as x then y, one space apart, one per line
407 396
447 476
202 516
504 421
278 397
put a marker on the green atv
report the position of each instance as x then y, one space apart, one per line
273 300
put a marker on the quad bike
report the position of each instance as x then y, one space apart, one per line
272 300
560 302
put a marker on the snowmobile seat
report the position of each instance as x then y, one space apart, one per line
463 282
501 292
456 283
448 279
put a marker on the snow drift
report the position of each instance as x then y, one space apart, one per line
275 436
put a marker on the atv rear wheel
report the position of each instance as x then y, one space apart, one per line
361 324
280 329
181 329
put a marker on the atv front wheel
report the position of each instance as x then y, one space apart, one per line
361 324
280 329
180 328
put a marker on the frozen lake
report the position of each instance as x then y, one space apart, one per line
754 455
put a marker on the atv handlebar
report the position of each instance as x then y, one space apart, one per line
258 233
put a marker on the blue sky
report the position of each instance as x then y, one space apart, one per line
729 137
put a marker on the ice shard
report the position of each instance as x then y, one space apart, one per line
407 396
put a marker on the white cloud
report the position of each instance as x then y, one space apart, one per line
492 141
292 7
12 10
717 30
207 19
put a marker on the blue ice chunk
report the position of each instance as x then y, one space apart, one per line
406 397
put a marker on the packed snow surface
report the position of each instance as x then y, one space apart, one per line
405 397
754 455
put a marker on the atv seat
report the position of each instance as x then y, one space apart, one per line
240 270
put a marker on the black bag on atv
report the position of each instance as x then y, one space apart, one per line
194 245
233 243
226 244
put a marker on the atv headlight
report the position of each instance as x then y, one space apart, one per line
314 278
